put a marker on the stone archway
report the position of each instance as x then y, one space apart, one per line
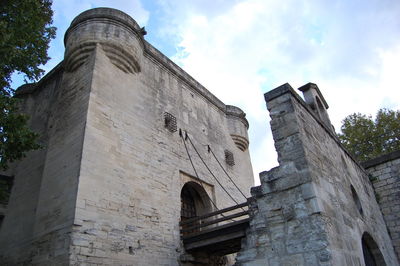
371 252
194 201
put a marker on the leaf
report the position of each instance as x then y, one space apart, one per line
25 34
366 138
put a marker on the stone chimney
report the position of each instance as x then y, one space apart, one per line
314 98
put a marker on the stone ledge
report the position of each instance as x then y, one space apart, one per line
278 91
381 159
33 87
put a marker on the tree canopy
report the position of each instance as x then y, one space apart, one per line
367 138
25 34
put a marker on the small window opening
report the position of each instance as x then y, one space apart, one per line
229 159
319 104
170 122
356 200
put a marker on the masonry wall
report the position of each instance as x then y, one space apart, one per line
307 214
384 172
41 209
108 191
16 232
133 167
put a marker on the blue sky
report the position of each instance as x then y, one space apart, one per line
240 49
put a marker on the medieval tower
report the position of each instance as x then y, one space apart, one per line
121 126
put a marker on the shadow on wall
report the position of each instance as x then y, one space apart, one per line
371 252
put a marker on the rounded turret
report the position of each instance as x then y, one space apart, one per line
115 32
238 126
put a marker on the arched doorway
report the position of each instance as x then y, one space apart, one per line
371 252
194 201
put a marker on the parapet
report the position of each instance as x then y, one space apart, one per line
117 33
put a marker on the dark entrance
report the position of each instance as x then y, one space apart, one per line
371 252
194 202
188 207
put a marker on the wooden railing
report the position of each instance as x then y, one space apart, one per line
231 215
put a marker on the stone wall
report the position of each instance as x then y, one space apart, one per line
384 172
41 208
108 182
318 205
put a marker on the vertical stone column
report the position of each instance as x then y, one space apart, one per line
287 228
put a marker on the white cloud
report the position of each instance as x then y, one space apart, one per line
349 48
239 49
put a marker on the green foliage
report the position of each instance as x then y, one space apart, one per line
25 33
15 137
367 138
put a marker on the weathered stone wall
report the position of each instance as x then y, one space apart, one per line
307 214
128 205
18 226
384 172
111 175
39 219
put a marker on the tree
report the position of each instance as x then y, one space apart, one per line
367 138
25 34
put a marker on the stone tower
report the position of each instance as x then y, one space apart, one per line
108 184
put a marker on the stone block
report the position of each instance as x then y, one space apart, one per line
292 260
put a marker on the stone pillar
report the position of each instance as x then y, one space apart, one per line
287 228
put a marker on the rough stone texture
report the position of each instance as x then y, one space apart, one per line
305 213
385 175
105 190
41 208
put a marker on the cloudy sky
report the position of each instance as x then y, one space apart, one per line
240 49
